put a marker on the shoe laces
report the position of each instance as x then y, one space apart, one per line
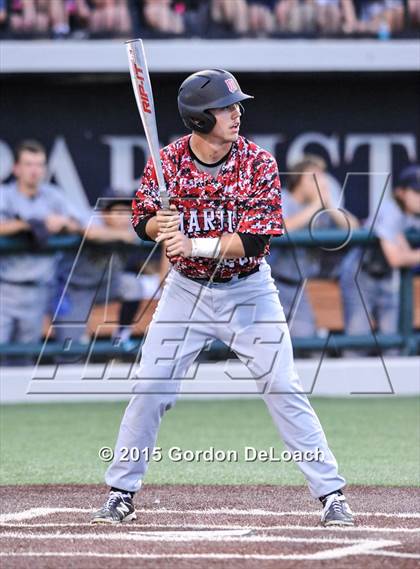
333 502
114 498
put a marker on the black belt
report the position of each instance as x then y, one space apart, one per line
21 283
225 279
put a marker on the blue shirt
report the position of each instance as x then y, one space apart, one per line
297 263
14 204
391 221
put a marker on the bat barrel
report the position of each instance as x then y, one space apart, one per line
144 98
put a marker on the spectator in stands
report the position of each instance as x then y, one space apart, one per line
261 17
94 275
196 16
98 276
79 18
296 16
78 13
414 13
308 191
329 16
324 16
335 16
3 12
23 17
231 13
379 278
39 17
31 206
163 16
110 17
380 17
58 18
349 17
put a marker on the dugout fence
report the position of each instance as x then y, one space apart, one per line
407 338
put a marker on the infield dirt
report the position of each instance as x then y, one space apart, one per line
189 526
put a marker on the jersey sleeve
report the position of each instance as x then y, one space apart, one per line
60 204
6 212
147 200
388 224
260 211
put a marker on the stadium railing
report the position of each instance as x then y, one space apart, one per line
407 340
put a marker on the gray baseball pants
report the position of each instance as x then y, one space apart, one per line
245 314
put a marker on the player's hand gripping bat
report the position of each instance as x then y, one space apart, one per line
144 97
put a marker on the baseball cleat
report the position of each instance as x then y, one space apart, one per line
336 511
118 508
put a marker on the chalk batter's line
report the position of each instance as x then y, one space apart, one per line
395 554
180 536
366 548
41 512
233 512
132 525
38 513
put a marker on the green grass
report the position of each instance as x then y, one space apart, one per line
375 440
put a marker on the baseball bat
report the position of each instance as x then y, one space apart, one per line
144 97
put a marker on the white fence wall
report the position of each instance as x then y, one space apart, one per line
107 56
334 378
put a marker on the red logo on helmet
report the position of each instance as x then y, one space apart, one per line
232 85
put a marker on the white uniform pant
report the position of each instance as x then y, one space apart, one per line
247 316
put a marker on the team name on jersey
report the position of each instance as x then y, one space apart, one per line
219 219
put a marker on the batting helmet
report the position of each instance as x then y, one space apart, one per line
204 90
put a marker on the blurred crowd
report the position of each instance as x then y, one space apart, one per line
368 277
208 18
64 286
37 283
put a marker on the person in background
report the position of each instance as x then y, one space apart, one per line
324 16
349 22
3 12
110 17
57 17
233 13
379 278
335 16
295 16
29 205
329 16
162 16
40 17
78 13
261 17
380 17
136 288
24 18
414 14
94 275
308 190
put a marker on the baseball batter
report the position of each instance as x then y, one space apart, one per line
225 206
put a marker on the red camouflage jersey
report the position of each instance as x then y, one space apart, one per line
245 198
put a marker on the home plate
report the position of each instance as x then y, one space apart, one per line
193 535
